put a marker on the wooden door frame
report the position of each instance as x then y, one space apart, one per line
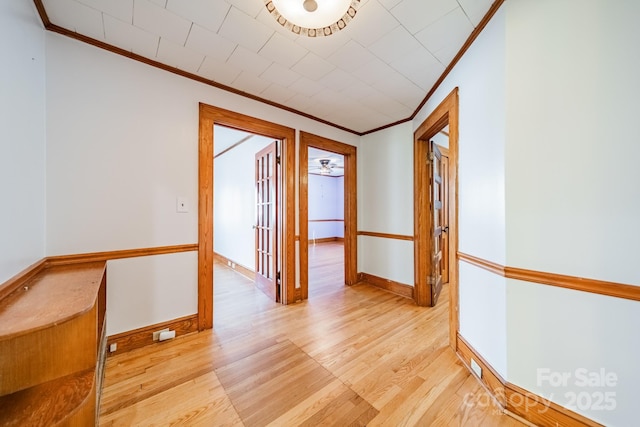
445 113
208 117
350 206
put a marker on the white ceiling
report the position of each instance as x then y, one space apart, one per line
375 72
336 161
227 139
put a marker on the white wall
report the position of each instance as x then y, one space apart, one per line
122 144
554 331
573 199
480 75
385 203
326 201
22 137
235 202
132 291
547 89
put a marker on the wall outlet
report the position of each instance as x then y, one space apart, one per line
476 368
166 335
229 263
233 265
113 347
156 334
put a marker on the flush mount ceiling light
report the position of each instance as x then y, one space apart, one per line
313 18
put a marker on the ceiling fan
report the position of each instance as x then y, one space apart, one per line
325 166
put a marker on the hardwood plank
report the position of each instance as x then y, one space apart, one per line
311 405
350 207
386 284
207 404
350 355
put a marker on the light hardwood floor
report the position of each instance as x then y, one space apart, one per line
348 356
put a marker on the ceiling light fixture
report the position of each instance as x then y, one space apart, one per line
313 18
325 167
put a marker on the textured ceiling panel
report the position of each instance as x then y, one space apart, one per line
375 72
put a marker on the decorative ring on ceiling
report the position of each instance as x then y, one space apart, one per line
322 31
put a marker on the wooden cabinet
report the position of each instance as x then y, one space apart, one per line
52 347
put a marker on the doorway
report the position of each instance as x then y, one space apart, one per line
431 219
348 153
325 201
441 141
246 190
209 116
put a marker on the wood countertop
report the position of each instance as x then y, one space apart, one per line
54 296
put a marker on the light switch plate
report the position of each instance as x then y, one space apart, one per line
181 205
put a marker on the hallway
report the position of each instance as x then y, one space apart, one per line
348 356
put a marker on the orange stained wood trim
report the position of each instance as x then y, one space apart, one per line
493 382
447 113
387 284
525 404
142 337
24 276
467 44
209 117
325 220
482 263
118 51
445 207
540 411
125 253
385 235
46 22
205 219
612 289
443 150
245 271
326 240
350 206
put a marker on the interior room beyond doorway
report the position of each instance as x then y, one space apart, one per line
235 211
325 221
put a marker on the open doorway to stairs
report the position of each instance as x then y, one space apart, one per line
334 155
209 117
